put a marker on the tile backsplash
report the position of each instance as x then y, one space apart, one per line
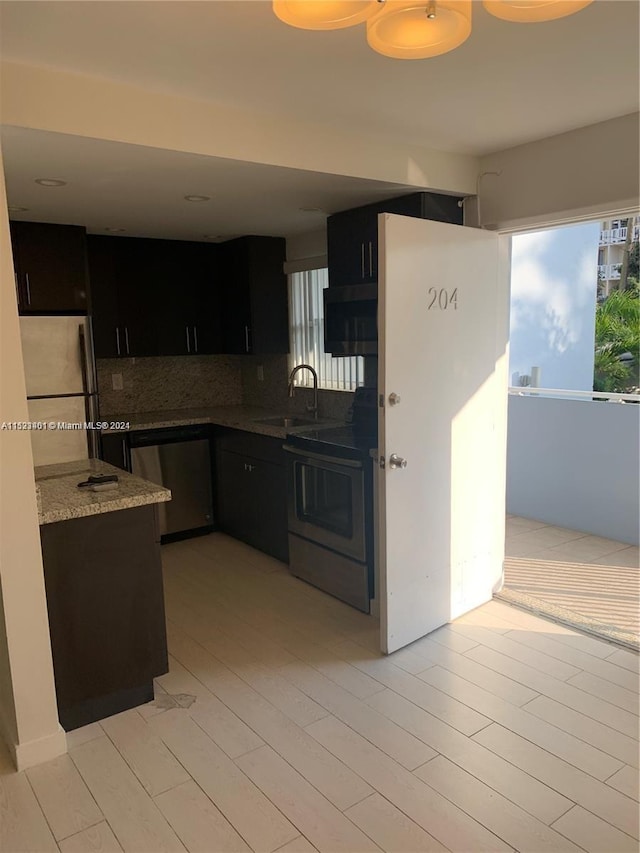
163 382
271 392
182 382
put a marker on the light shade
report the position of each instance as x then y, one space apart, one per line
531 11
324 14
418 30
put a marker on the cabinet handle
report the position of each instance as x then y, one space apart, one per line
118 340
370 258
195 338
15 275
26 278
362 259
246 339
186 328
126 338
124 453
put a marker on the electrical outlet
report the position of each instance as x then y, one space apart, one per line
260 371
116 382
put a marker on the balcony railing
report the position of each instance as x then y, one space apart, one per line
609 272
612 236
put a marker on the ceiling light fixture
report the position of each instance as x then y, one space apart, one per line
418 30
115 230
197 198
324 14
415 29
533 11
50 182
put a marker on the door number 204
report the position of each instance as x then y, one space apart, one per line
443 300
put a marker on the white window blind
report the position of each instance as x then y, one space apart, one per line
306 314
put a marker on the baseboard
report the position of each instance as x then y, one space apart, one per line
35 752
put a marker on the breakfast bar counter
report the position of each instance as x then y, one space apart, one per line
60 499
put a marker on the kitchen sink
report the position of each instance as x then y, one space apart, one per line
287 422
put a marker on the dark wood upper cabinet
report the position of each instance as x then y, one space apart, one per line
51 268
253 295
352 235
153 297
187 313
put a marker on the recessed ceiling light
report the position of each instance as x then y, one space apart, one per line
212 236
114 230
12 208
310 210
197 198
50 182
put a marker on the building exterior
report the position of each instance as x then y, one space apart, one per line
612 243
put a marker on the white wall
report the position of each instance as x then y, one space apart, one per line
575 464
584 172
104 109
28 711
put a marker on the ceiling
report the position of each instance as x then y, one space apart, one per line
112 185
508 84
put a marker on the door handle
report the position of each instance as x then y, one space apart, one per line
396 461
118 340
186 328
195 338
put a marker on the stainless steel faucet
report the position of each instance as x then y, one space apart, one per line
314 407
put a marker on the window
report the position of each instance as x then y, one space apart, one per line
307 336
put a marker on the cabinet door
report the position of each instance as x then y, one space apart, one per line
114 449
352 242
235 297
104 297
235 514
252 502
137 296
188 313
51 267
253 296
269 296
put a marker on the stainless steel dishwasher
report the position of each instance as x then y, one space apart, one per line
178 459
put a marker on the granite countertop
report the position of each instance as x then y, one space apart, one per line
60 499
247 418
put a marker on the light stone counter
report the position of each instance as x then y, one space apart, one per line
60 499
247 418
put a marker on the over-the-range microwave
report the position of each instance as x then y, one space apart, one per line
351 319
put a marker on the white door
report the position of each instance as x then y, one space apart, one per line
443 350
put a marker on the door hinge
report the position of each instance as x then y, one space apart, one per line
381 401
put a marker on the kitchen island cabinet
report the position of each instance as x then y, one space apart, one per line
103 580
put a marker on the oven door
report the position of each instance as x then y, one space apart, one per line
326 501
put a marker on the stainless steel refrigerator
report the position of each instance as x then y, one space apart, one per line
61 387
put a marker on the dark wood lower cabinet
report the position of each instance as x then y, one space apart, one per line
105 599
252 491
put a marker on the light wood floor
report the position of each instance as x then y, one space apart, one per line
586 581
281 727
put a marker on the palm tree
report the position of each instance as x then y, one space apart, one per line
617 342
